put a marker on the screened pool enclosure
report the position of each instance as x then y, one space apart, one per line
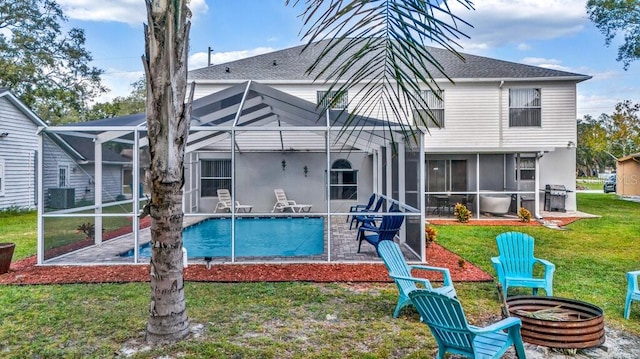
256 143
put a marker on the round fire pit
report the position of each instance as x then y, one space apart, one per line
558 322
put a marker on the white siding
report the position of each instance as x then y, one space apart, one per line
18 152
474 115
558 117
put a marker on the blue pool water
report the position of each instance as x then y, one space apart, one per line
254 237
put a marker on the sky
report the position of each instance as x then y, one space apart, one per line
551 33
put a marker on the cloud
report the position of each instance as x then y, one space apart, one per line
131 12
546 63
501 22
199 59
524 46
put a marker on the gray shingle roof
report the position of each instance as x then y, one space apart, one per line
292 63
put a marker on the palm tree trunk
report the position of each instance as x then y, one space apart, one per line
165 61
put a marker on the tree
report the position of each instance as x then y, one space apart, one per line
591 151
397 48
623 129
45 67
121 105
168 116
618 16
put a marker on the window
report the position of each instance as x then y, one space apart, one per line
344 181
524 108
526 168
63 180
435 101
2 177
214 175
332 100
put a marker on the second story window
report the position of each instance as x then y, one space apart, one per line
525 107
435 101
333 100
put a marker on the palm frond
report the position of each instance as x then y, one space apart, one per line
381 48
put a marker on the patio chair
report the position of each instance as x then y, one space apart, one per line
400 271
368 218
389 227
633 293
283 204
515 264
360 208
449 326
224 203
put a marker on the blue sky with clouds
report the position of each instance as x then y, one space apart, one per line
550 33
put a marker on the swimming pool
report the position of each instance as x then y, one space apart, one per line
255 237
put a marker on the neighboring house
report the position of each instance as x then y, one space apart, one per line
18 153
628 175
505 129
67 174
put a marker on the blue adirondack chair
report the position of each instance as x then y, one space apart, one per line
400 271
389 226
368 217
633 293
515 264
448 324
360 208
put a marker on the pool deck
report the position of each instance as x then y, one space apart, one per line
344 247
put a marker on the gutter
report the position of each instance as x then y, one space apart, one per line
500 139
576 78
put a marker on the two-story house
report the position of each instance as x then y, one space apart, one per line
505 130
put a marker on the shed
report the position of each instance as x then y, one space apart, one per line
628 175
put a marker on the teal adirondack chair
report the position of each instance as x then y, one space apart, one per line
633 293
448 324
391 254
515 264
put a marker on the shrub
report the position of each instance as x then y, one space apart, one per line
462 213
89 229
431 234
524 215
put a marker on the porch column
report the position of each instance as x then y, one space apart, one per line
477 201
135 222
98 191
327 143
389 173
40 251
422 197
536 195
401 185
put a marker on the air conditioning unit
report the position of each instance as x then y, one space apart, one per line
62 198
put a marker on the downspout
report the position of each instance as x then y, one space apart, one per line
500 113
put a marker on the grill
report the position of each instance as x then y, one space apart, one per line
554 197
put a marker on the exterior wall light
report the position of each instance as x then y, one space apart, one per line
306 170
284 164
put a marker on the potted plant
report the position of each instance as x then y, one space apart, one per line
6 254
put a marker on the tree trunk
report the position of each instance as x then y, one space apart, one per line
165 62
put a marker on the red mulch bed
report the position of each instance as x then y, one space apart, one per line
561 221
26 272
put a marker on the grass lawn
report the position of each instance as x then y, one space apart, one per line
308 320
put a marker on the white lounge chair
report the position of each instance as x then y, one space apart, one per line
283 204
224 203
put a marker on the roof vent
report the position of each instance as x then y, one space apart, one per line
227 69
275 63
